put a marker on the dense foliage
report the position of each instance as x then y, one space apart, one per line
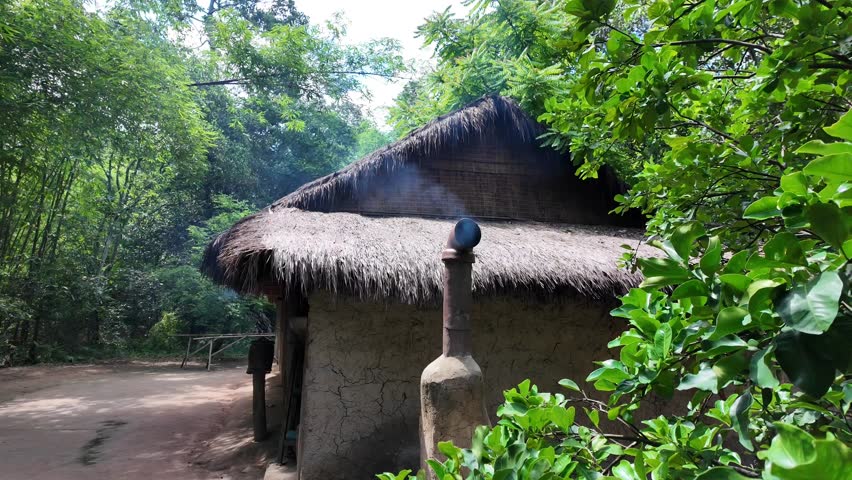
133 132
732 119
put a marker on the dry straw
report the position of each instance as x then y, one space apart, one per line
399 257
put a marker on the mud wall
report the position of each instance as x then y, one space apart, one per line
361 393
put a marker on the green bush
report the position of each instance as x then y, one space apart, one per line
161 336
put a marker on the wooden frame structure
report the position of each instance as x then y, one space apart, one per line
208 339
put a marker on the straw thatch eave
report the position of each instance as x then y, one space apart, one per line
399 257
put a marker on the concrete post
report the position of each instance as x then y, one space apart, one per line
452 400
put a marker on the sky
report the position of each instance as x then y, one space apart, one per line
370 19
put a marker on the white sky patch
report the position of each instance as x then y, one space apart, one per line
373 19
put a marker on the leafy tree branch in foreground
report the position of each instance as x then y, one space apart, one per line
732 120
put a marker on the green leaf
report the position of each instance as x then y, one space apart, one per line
790 447
812 308
646 324
712 259
838 193
594 416
721 473
660 272
737 281
740 418
730 367
440 471
784 247
477 444
843 127
663 341
402 475
606 378
562 417
505 474
819 148
831 461
569 384
727 344
836 343
625 471
448 449
829 223
795 183
832 167
705 379
737 263
729 321
760 294
684 237
691 288
759 370
763 208
805 362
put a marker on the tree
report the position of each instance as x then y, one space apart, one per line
294 120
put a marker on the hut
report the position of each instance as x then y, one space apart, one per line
353 260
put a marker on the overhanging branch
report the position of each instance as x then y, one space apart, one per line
246 80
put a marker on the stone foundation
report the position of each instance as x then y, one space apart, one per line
364 360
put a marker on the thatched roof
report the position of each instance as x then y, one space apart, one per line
292 243
399 257
493 114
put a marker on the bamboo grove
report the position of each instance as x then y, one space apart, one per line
130 132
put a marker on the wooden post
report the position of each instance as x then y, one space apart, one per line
210 355
258 406
186 356
282 349
281 323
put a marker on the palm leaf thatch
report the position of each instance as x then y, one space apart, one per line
399 257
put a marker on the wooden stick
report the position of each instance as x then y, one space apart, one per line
210 355
186 355
217 352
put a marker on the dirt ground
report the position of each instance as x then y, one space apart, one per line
132 420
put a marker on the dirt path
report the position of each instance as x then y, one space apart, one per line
131 421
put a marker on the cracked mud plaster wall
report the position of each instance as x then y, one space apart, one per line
361 393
